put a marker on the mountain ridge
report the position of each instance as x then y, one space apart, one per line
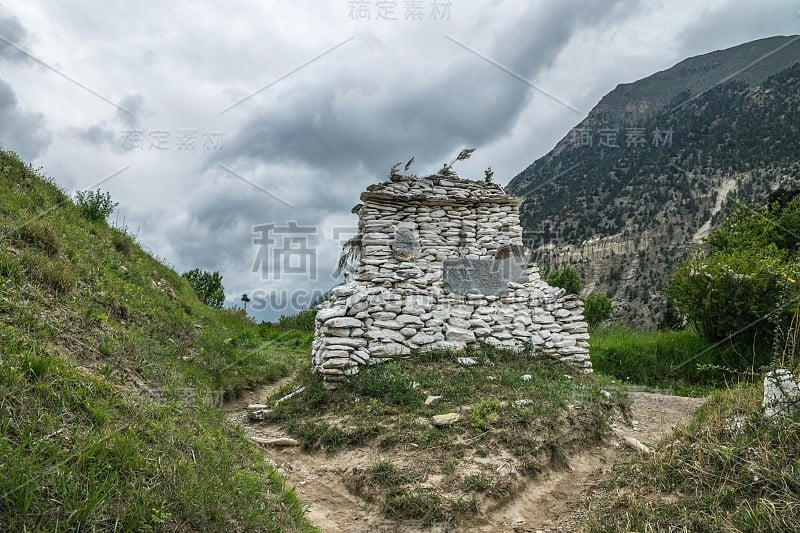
608 193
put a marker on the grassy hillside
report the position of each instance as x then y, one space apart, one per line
111 371
728 470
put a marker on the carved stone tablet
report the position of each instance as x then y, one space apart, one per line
483 276
406 246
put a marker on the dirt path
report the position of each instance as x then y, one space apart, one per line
558 501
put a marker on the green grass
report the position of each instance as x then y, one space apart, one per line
394 489
679 362
728 470
383 408
111 372
393 393
425 507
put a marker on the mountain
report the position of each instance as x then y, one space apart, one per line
645 176
111 370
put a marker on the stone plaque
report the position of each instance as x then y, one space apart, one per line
483 276
406 246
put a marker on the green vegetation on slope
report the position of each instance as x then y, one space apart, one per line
111 370
729 470
743 289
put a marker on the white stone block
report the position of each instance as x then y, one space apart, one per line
325 314
343 322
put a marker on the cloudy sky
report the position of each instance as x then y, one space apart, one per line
231 131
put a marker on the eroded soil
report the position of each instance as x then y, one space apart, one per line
554 501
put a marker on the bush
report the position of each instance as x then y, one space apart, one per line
95 205
597 308
567 278
737 292
304 320
123 243
207 286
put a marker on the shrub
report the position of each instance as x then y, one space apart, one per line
597 308
95 205
567 278
207 286
738 290
122 243
304 320
728 296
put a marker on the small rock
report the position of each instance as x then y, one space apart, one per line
445 420
636 444
280 441
527 377
424 422
290 395
432 400
257 411
467 361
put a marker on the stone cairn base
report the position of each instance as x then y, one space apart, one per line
441 265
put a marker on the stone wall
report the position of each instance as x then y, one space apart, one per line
442 265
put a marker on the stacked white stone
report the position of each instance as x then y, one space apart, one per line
395 301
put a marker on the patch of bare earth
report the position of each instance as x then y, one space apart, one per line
552 501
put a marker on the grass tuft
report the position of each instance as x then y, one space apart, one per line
41 234
56 274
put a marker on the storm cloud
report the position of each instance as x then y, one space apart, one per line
307 104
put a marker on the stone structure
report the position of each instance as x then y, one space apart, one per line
440 264
781 393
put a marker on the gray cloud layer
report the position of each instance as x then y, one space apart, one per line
11 31
20 131
318 137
